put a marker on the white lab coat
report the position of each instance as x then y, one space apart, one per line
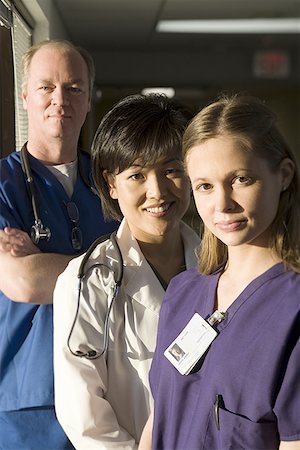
104 403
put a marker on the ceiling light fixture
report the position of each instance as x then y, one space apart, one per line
287 25
168 91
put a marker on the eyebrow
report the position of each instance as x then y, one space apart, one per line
163 162
196 180
75 81
172 160
230 174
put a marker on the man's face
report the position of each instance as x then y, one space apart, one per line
56 96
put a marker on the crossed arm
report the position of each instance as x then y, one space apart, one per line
28 275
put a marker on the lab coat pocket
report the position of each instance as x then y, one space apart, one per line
237 432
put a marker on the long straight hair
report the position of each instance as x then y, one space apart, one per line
254 125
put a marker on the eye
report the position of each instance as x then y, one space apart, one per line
174 172
242 180
46 88
202 187
75 89
175 169
137 176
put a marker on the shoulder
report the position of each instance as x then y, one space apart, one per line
98 253
12 182
186 281
288 284
11 163
70 272
190 275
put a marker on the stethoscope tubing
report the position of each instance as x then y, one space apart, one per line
30 182
38 230
118 277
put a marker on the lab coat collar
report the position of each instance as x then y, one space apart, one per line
139 281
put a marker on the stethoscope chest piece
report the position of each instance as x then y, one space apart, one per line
38 232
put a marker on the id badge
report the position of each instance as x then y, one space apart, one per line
193 341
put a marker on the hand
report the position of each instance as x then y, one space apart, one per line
16 242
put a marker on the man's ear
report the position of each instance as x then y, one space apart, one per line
24 98
111 183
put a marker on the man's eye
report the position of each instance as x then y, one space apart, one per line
75 90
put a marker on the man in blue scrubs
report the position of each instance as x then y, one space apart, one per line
58 80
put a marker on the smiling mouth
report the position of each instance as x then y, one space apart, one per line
159 209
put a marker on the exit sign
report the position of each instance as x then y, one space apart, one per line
271 64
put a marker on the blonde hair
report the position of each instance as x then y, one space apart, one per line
249 120
63 44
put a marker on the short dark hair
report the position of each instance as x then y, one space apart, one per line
139 127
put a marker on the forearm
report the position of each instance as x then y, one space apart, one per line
31 278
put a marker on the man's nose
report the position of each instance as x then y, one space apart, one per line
60 96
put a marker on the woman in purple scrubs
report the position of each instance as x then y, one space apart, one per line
237 383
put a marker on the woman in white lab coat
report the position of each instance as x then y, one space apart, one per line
104 401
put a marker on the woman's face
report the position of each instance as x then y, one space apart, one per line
236 193
153 199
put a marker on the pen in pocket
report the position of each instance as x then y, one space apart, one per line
219 402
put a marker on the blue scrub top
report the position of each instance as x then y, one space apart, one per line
253 364
26 353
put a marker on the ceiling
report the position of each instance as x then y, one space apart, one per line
130 54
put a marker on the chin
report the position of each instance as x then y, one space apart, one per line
162 231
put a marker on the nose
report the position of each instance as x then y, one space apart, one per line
156 186
224 201
60 96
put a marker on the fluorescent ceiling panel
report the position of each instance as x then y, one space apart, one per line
287 25
168 91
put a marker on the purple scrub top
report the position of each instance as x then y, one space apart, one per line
253 366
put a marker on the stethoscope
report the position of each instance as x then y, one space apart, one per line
38 231
82 274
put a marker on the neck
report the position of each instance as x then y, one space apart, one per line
166 256
52 152
162 247
255 261
243 266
